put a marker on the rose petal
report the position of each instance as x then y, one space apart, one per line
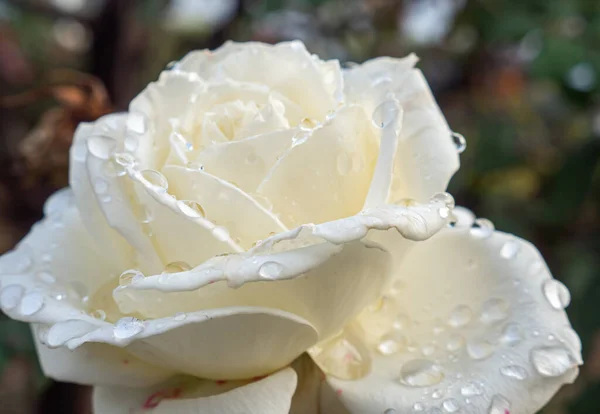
98 364
271 395
308 185
224 343
480 326
224 204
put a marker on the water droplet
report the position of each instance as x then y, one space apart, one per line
123 161
418 407
444 212
512 334
482 228
480 349
510 249
459 142
221 233
499 405
142 213
552 361
100 185
389 411
344 164
155 180
455 342
460 316
391 343
98 314
556 293
176 267
46 277
385 113
401 322
428 350
136 123
420 373
445 198
180 316
127 327
32 303
130 276
101 147
494 310
437 394
191 208
514 371
451 405
11 295
471 389
270 270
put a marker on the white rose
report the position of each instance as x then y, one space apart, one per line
256 203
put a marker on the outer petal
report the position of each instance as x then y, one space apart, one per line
271 395
426 157
475 323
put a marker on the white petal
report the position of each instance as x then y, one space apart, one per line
271 395
474 321
286 67
327 175
98 364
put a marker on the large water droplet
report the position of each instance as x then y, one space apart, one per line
494 310
451 405
127 327
510 249
459 142
136 123
130 276
482 228
455 342
155 180
471 389
176 267
101 147
420 373
391 343
460 316
499 405
556 293
32 303
514 371
385 113
445 198
191 208
11 295
122 162
444 212
194 166
480 349
270 270
418 407
552 361
511 334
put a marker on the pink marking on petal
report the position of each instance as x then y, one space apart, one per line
220 382
338 391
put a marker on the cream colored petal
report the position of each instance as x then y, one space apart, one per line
225 343
245 163
426 156
98 364
474 324
286 67
327 175
270 395
224 204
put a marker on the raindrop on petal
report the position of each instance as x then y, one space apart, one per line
460 142
155 180
101 147
451 405
445 198
32 303
420 373
482 228
385 113
557 294
270 270
510 249
494 310
480 349
516 372
127 327
130 276
460 316
191 208
471 389
11 295
552 361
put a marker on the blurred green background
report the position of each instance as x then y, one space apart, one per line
519 79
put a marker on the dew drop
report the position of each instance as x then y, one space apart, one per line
127 327
514 371
391 343
482 228
130 276
32 303
194 166
459 142
499 405
437 394
480 349
451 405
46 277
385 113
11 295
420 373
270 270
221 233
123 161
455 342
512 334
100 185
552 361
401 322
344 164
444 212
180 316
155 180
98 314
389 411
494 310
136 123
191 208
556 293
460 316
143 214
510 249
471 389
176 267
418 407
445 198
428 350
101 147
